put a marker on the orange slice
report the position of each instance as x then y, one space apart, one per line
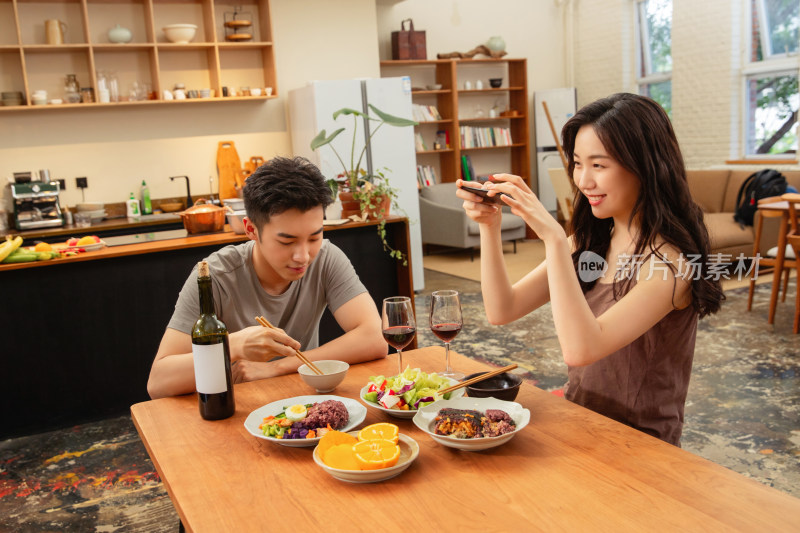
331 439
341 456
380 431
376 454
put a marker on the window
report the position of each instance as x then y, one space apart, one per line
654 25
771 88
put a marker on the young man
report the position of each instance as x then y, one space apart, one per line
286 272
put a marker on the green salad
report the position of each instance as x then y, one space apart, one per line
412 389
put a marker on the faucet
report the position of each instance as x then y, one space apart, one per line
188 191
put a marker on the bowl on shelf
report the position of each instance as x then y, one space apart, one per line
503 386
180 33
333 373
434 87
495 82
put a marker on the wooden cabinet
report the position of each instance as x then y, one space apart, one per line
461 92
144 67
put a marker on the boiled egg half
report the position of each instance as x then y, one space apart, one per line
296 412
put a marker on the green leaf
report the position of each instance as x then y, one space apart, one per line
321 140
347 111
391 119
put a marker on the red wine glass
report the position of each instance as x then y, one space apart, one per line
446 322
398 325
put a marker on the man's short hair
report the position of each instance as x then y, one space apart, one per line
281 184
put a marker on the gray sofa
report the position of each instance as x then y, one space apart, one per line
444 223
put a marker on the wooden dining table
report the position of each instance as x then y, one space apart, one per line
570 469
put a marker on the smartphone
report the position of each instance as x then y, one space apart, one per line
484 193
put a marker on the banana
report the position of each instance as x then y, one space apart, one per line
9 246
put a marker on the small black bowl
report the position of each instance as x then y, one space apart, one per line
503 386
496 82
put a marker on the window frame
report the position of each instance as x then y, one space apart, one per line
644 58
772 65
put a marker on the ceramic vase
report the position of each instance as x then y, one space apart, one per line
118 34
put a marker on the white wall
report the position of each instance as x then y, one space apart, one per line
116 148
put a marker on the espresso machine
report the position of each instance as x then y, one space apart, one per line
36 204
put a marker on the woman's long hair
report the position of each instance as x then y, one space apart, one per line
638 134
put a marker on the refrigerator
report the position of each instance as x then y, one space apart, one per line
562 104
311 110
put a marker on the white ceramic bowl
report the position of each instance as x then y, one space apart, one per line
409 450
357 413
237 204
424 420
333 374
180 33
400 413
236 221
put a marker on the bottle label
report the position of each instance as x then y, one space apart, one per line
209 368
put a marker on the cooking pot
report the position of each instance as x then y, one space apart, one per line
203 217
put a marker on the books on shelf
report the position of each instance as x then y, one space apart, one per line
482 137
425 113
467 170
419 143
426 176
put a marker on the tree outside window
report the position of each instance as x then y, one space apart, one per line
654 25
771 81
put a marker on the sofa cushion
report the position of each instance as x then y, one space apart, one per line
726 233
707 188
442 194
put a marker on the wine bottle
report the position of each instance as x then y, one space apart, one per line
212 357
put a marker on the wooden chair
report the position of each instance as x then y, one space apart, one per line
794 241
766 264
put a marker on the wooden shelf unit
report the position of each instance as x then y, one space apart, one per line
28 64
453 102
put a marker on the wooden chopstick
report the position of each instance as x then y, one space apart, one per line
264 322
478 378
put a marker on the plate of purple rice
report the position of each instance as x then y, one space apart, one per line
343 414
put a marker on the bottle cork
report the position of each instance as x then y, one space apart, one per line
202 269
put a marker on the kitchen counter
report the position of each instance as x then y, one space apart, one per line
83 330
104 228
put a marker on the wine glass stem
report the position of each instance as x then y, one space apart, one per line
399 362
447 356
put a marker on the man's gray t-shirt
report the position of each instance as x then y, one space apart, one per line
329 281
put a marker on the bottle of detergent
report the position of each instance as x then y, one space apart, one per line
147 207
133 207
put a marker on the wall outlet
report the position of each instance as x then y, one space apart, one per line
62 184
81 183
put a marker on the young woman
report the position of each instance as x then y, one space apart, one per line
627 332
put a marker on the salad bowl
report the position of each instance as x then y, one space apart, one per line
424 420
357 413
409 450
419 380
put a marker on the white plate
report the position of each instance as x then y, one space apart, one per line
356 411
399 413
409 450
424 420
91 247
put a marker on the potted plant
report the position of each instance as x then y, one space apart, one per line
361 193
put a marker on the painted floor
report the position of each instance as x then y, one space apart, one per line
742 411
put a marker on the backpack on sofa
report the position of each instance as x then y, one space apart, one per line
762 184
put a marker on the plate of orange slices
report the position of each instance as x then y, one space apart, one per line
375 453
